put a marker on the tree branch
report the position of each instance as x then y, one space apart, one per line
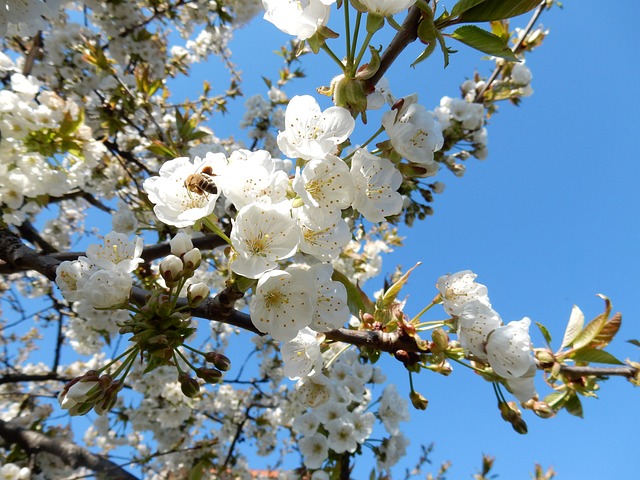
406 35
70 453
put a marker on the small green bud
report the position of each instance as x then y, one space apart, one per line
219 361
189 386
209 375
440 339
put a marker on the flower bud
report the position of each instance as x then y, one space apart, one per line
544 356
189 386
209 375
180 244
440 339
219 361
196 293
418 400
349 93
543 410
192 259
171 269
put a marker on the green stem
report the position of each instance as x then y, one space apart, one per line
337 355
333 56
477 370
215 229
363 49
422 312
369 140
185 360
347 35
126 352
127 363
356 32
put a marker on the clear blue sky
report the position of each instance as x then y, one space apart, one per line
548 220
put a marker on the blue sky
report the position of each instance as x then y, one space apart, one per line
547 221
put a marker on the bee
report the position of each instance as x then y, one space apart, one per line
202 182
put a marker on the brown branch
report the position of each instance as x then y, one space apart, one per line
23 377
406 35
575 372
70 453
220 308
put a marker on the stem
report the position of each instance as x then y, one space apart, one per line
127 363
346 347
369 140
185 360
126 352
363 49
422 312
333 56
215 229
347 36
356 32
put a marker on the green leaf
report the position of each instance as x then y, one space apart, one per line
545 333
556 400
608 331
392 292
634 342
574 405
490 10
463 6
576 322
590 332
594 355
356 298
484 41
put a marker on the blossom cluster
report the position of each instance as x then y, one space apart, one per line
103 277
481 332
35 125
337 416
279 217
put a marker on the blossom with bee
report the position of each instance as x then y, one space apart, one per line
179 195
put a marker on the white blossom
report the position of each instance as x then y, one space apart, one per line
376 182
314 449
106 288
325 184
297 17
283 303
509 349
387 7
476 321
414 133
331 309
312 133
322 234
458 289
252 177
393 409
175 204
117 253
342 434
301 355
261 235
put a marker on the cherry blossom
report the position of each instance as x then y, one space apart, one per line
297 17
262 234
312 133
283 304
175 203
376 182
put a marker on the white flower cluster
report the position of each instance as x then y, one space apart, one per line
338 416
101 280
26 17
463 119
506 348
271 226
30 122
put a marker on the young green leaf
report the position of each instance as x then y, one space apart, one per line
497 10
463 6
594 355
574 405
608 331
576 322
357 300
484 41
545 333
